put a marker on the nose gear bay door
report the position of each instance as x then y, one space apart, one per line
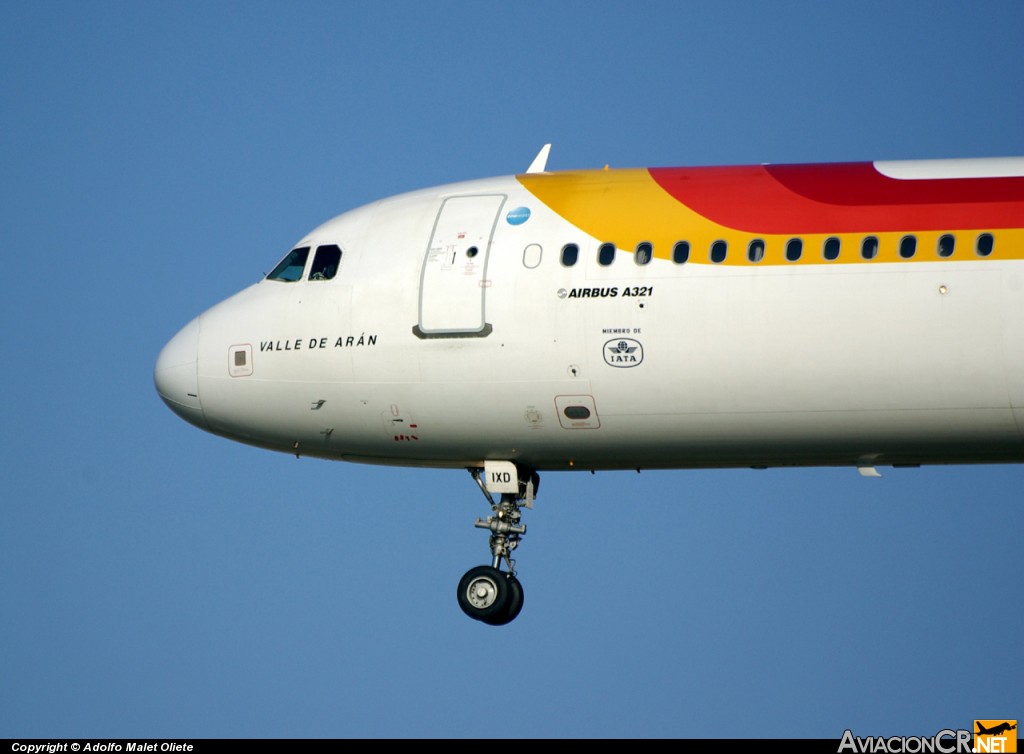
453 282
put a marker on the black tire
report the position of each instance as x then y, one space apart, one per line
513 607
484 593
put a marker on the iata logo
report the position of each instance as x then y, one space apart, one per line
623 353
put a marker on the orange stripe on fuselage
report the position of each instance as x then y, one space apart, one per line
619 206
665 205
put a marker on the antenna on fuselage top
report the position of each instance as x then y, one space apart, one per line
540 162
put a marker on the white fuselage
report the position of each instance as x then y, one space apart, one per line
450 336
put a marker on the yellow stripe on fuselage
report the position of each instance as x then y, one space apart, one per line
627 207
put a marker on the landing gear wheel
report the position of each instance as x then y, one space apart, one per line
484 593
514 605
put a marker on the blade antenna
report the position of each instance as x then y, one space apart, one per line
540 162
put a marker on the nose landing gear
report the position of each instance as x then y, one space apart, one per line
486 593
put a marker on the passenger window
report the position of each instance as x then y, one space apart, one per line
985 244
644 252
291 267
325 263
718 251
532 256
869 248
794 249
570 253
755 250
606 254
908 246
946 245
681 252
831 249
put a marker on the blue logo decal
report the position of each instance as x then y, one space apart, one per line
518 216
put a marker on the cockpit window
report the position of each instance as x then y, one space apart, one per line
291 267
325 263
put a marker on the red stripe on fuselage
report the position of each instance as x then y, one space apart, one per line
842 197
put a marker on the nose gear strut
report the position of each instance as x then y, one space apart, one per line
486 593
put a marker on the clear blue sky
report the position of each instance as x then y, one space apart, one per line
159 581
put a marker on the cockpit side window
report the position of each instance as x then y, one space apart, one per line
291 267
325 263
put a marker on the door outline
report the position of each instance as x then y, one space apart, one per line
453 279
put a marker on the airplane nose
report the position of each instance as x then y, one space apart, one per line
176 375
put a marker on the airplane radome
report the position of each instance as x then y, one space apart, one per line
852 314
